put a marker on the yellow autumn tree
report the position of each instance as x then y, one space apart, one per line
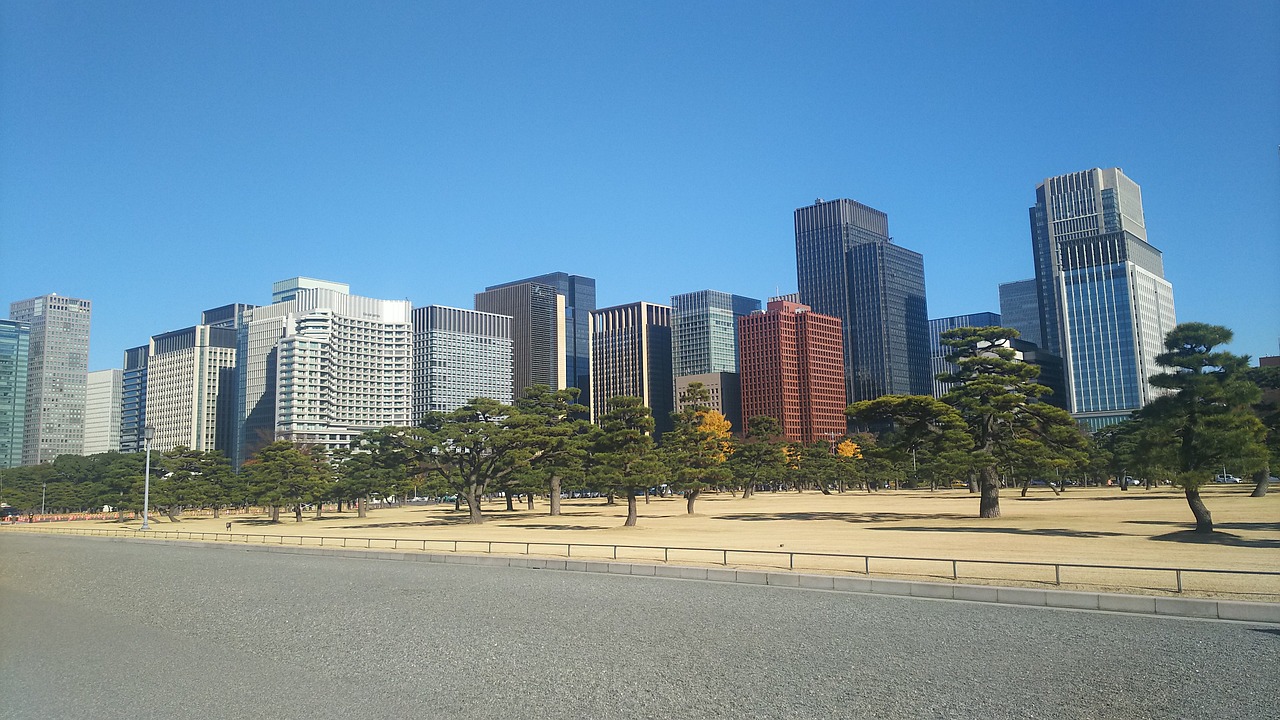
718 427
849 449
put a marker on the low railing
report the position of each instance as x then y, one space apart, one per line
862 563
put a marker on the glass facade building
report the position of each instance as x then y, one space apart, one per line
704 331
579 294
15 343
849 268
1105 305
538 332
57 368
1020 309
133 398
938 352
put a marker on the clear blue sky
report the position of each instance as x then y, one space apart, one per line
160 158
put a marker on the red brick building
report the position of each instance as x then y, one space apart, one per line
791 365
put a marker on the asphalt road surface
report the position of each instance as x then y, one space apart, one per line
91 628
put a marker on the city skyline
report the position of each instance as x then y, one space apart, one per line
658 149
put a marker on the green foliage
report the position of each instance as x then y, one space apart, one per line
283 473
622 455
1205 421
759 457
695 451
998 399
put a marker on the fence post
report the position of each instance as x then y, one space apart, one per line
1057 574
791 561
615 552
955 573
866 564
724 558
1179 574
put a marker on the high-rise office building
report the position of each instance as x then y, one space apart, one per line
133 398
190 388
849 268
938 352
286 290
232 315
58 363
1104 302
537 312
15 342
704 331
792 370
1020 309
631 356
704 346
579 302
459 355
321 368
102 411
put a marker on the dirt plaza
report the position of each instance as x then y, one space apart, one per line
1096 526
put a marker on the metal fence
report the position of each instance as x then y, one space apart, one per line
886 564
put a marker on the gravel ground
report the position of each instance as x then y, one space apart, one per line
91 628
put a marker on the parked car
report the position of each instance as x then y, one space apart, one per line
1226 479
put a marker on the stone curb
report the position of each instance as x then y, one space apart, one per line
1161 606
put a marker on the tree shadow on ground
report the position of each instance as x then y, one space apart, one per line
1217 538
550 526
1229 526
1269 631
460 519
849 517
1108 498
1049 532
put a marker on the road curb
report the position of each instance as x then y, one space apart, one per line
1155 605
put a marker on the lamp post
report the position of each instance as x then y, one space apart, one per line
43 488
148 432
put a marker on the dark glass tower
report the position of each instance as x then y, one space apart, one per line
848 267
579 301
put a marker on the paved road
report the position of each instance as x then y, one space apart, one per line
91 628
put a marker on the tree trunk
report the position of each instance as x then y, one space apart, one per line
510 507
989 505
555 494
689 498
609 499
1263 478
319 509
457 502
339 505
747 490
473 505
1026 485
217 511
528 500
631 510
1124 484
275 513
823 487
1204 521
362 506
973 485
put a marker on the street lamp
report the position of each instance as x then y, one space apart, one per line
148 432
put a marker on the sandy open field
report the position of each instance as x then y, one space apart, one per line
1095 526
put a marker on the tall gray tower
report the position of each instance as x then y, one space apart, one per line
58 367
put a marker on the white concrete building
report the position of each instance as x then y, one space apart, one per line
190 388
102 411
321 368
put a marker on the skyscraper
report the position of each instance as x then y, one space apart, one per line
849 268
133 398
792 370
631 356
459 355
579 302
1020 309
58 364
191 388
15 342
537 332
938 352
704 346
321 368
102 412
1105 306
